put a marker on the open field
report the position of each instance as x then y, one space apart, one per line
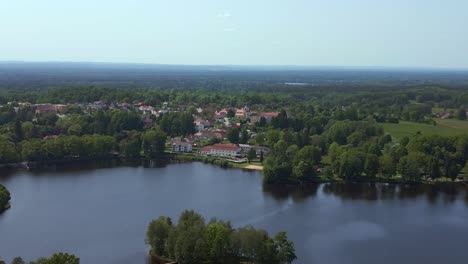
440 110
444 127
452 123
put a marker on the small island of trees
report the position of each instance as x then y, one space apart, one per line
193 241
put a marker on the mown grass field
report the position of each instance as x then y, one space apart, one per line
444 127
440 110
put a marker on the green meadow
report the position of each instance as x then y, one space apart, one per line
444 127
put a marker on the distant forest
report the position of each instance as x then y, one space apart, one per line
25 76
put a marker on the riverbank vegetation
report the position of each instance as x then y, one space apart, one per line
194 241
4 198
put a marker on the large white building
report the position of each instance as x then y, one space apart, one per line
222 150
181 146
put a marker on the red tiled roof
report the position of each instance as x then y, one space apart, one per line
230 147
272 114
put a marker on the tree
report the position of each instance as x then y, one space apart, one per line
75 129
59 258
244 139
371 166
260 138
251 155
261 156
233 135
31 150
158 234
186 242
248 242
18 260
131 146
4 198
351 166
18 130
309 154
218 241
230 113
153 143
461 114
286 252
408 166
8 152
387 165
303 171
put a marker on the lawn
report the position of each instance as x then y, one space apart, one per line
444 127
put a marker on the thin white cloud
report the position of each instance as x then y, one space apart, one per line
224 15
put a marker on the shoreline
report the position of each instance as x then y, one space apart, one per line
174 158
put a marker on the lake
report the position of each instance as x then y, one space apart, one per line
100 213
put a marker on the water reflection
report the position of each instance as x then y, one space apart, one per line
446 193
297 193
83 166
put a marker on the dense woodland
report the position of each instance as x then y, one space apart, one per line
193 241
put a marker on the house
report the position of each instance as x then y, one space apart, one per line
245 147
98 105
209 135
147 122
220 116
201 124
191 139
221 150
60 108
178 145
45 109
49 137
260 149
146 110
267 115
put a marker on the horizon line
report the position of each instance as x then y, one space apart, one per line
305 66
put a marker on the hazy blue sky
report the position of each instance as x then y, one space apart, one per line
401 33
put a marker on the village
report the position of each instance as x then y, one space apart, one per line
211 126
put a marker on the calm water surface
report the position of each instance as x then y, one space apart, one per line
101 214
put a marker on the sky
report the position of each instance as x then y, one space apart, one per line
362 33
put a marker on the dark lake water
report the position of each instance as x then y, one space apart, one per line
101 214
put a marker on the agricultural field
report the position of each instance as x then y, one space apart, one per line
444 127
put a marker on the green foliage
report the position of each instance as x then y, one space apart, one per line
251 155
158 233
60 258
193 241
18 260
351 165
4 198
461 114
130 147
57 258
177 124
233 135
153 142
8 151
